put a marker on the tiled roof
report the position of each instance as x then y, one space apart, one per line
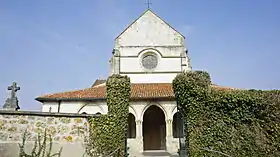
138 91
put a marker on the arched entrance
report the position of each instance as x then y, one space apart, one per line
154 130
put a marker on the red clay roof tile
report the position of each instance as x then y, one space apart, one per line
138 91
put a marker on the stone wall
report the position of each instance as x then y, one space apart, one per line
67 130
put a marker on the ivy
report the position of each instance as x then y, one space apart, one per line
233 122
108 132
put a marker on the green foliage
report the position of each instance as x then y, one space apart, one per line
107 133
42 147
103 137
118 94
233 122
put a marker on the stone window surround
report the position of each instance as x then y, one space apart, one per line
149 61
146 52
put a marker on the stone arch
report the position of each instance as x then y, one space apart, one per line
149 50
154 128
133 111
84 105
153 104
100 109
174 111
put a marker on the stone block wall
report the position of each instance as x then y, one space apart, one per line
67 130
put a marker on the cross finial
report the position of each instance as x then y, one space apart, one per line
148 4
14 88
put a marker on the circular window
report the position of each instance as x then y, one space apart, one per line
149 61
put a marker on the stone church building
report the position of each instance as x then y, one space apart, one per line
151 52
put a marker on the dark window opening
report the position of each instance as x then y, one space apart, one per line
131 133
177 125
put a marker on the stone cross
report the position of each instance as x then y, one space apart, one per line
14 88
148 3
12 102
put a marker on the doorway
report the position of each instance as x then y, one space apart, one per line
154 129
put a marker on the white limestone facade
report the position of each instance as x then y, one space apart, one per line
148 36
148 51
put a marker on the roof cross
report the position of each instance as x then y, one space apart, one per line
148 3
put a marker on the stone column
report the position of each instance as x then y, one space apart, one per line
139 129
171 143
169 128
139 137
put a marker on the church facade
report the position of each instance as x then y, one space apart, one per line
151 53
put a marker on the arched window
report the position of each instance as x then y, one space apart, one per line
131 133
176 125
98 113
84 113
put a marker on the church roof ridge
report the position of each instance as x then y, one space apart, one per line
148 9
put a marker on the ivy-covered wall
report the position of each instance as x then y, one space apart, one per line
108 132
231 122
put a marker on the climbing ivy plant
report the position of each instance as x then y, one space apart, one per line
108 132
232 122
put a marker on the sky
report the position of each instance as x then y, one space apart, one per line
60 45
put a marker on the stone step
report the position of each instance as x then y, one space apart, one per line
157 153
